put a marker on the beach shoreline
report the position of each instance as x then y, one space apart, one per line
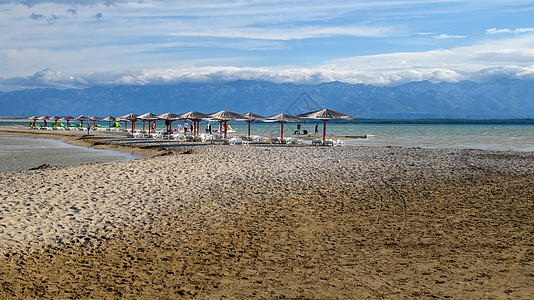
269 221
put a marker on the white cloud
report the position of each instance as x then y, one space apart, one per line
448 36
290 33
511 31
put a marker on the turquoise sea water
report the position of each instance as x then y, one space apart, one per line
486 137
19 153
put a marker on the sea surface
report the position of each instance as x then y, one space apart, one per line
19 153
485 137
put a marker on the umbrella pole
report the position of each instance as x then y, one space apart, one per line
133 126
249 127
324 131
225 128
143 125
282 135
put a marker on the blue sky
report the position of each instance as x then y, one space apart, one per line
73 43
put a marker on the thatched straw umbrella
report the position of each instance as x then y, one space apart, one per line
282 119
81 118
131 117
55 119
195 117
325 115
252 117
224 116
43 118
109 119
94 119
33 118
147 117
168 118
67 119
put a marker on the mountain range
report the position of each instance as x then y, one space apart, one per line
508 98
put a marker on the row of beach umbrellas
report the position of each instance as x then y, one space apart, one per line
222 117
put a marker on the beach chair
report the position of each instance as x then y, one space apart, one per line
290 140
235 141
317 143
339 143
257 138
206 137
219 140
157 135
329 142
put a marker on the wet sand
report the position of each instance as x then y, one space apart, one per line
265 221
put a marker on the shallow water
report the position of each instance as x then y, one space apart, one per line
19 153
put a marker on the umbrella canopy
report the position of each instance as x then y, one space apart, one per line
147 116
128 117
194 116
325 115
225 115
252 117
168 116
284 118
109 119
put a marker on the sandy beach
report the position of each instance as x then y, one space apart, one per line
270 221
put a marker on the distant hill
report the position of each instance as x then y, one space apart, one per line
466 99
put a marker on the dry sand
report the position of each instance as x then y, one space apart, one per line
215 221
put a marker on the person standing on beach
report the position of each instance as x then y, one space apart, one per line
298 128
316 129
208 128
88 129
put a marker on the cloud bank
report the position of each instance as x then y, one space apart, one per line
81 43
